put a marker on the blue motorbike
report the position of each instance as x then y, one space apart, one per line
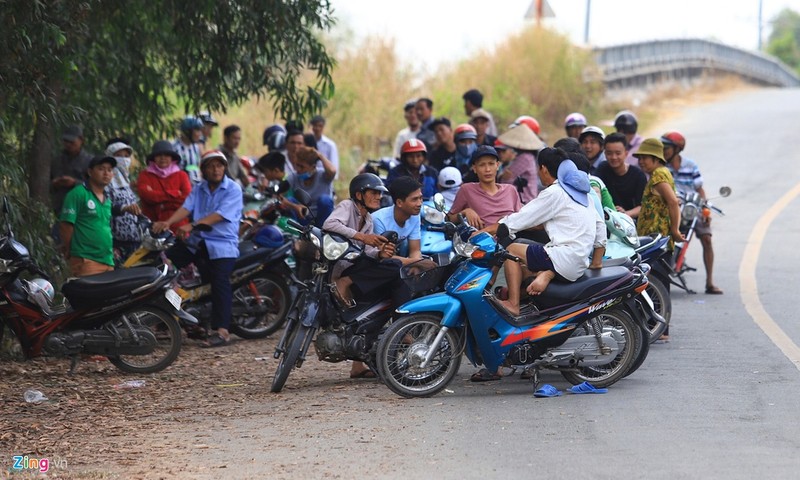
589 330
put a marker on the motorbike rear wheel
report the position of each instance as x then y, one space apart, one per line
662 304
272 291
603 376
402 349
294 345
168 337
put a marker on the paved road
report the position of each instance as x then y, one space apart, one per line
719 401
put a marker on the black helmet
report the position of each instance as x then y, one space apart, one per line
366 181
272 130
626 122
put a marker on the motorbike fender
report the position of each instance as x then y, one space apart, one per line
449 307
308 315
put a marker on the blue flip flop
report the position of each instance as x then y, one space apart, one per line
546 391
586 387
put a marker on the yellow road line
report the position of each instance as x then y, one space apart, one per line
749 288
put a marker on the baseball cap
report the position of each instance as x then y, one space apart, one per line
72 133
99 159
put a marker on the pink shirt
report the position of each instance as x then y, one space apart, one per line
490 208
525 166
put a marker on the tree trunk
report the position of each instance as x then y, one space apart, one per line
40 158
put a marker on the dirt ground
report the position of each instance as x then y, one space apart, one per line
90 429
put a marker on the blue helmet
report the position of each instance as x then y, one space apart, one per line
190 123
269 237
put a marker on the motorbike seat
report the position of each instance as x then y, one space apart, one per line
251 254
107 287
591 283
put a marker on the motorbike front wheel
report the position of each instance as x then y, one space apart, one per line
294 345
603 376
268 296
168 342
405 345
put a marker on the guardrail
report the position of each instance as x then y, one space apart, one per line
644 63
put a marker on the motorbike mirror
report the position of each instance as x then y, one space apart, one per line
725 191
503 235
438 202
302 196
282 187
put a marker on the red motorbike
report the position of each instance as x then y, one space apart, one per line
126 315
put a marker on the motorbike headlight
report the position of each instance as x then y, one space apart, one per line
315 240
333 249
463 248
689 212
432 216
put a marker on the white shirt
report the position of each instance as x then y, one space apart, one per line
574 230
327 147
403 136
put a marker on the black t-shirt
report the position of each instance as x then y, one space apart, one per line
626 190
441 158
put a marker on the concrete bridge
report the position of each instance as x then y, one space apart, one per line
640 65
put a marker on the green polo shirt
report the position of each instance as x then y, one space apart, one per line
91 220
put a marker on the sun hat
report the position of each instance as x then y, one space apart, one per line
521 137
163 147
116 147
651 146
574 182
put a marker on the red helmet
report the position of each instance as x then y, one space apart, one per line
464 131
675 139
531 122
413 145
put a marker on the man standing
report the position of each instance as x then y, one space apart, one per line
217 202
688 179
325 145
406 134
626 123
625 182
209 122
445 153
69 169
85 226
424 109
481 120
231 137
473 100
592 140
188 147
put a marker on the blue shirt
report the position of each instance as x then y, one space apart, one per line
687 177
384 222
223 239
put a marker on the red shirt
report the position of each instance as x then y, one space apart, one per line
161 197
490 208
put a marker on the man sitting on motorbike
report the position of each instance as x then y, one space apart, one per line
403 218
217 202
376 270
575 229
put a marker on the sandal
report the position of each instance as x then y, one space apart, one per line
712 290
484 375
216 340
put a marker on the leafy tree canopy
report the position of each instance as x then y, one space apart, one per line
784 41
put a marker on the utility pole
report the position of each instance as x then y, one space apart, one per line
586 26
760 4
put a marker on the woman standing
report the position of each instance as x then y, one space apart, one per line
660 212
124 228
163 186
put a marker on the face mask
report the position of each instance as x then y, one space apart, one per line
303 176
123 162
466 150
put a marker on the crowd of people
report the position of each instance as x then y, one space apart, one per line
547 195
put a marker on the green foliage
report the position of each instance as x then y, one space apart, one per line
30 219
784 41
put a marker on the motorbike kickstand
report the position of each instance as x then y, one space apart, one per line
73 362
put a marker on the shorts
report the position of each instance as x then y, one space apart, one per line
702 228
537 258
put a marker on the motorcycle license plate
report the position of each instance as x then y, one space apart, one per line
648 299
173 298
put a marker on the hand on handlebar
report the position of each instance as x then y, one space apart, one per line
387 250
184 231
372 239
159 227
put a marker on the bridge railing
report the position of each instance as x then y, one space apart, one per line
629 64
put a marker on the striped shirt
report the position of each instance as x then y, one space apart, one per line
687 177
190 160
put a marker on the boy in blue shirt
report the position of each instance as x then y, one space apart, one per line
403 218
